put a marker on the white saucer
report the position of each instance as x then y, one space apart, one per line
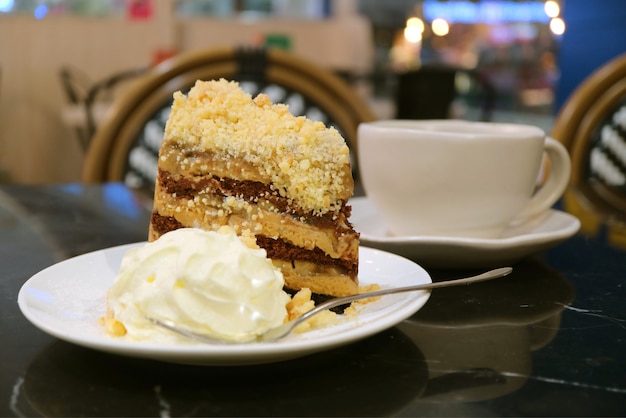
67 299
538 234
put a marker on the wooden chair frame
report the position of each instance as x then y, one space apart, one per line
107 156
583 112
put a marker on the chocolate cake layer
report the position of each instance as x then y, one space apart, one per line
251 191
207 202
275 248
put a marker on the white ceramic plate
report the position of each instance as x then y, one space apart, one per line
67 299
538 234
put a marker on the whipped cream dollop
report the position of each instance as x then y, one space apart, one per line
208 282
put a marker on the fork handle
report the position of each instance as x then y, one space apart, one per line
489 275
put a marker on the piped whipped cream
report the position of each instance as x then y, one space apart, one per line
208 282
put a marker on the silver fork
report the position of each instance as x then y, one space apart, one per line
285 329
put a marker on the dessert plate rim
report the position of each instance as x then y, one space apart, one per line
67 299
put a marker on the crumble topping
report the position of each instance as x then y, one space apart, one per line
301 159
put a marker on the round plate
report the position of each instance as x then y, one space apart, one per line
67 299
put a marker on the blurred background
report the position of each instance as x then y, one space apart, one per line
529 54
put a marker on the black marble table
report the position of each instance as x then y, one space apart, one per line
549 340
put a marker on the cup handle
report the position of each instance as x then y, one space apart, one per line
555 185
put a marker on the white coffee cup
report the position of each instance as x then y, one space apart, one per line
458 178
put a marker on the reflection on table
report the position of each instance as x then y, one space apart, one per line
482 348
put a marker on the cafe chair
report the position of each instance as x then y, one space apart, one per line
76 86
592 125
126 146
435 91
83 94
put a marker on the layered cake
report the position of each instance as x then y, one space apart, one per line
230 159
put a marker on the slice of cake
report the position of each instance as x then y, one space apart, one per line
229 159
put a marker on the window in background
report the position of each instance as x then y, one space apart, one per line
47 8
293 9
253 9
513 44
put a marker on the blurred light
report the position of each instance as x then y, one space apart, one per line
73 188
501 34
462 82
557 26
440 27
412 34
525 31
6 6
41 11
121 200
552 8
500 11
415 22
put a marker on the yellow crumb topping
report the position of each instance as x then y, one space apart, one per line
300 304
302 159
355 306
112 326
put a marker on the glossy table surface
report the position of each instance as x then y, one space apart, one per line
549 340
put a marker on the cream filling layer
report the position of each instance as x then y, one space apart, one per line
325 280
195 165
211 212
